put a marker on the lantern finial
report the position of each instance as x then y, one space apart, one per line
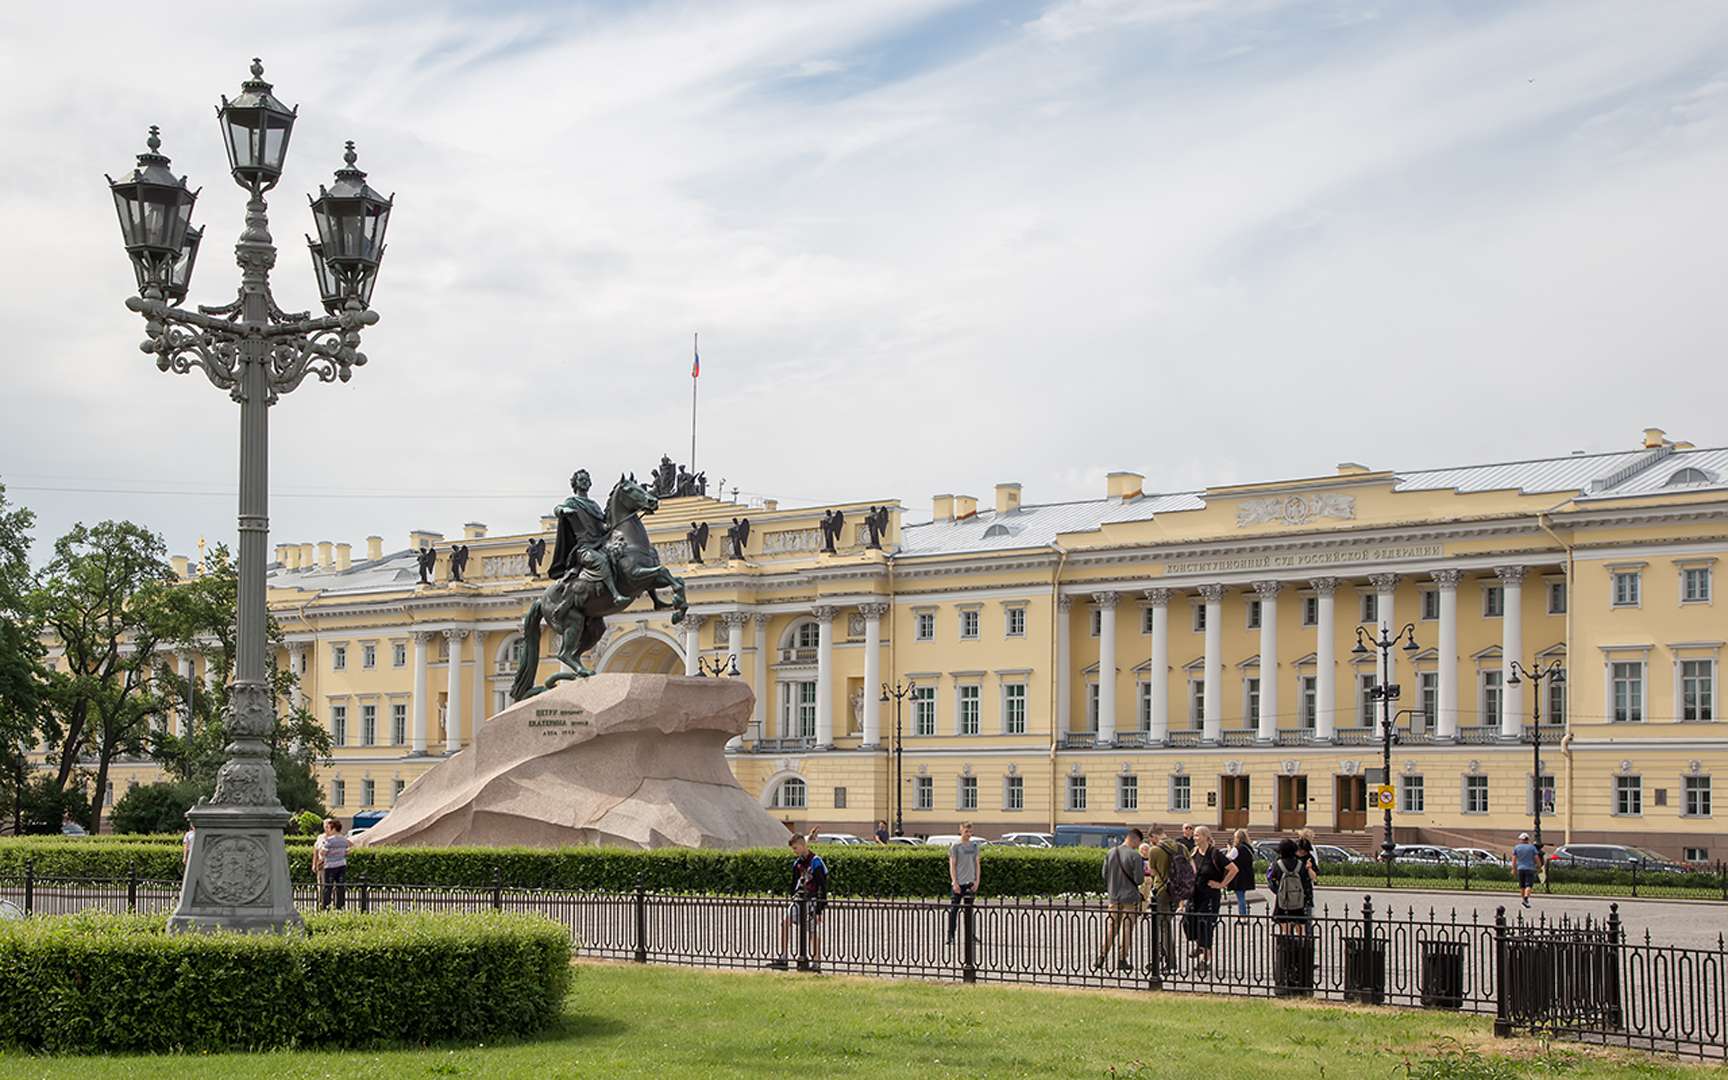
349 156
257 68
154 142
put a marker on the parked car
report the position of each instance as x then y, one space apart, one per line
1027 839
1476 856
1332 853
72 828
1429 854
1098 836
906 841
942 840
840 838
1614 857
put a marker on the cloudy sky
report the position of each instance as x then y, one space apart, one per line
929 245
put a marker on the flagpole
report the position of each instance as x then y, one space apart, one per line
695 377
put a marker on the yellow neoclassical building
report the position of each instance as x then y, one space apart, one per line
1139 656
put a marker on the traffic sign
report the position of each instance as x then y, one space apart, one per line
1383 797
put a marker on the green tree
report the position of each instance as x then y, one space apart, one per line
154 808
23 674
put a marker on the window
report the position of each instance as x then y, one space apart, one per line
1310 700
925 626
968 799
338 793
1370 608
1197 701
1697 796
1365 687
969 712
1014 708
1695 585
1628 796
1128 793
1697 689
1493 695
1556 598
339 725
368 656
1016 622
1091 706
839 798
398 723
1310 611
1181 794
1627 679
339 658
368 792
368 729
1428 695
1076 793
1254 614
1430 603
1096 621
1557 699
798 710
969 625
1626 588
1199 618
1146 618
924 710
790 795
396 787
1014 793
1251 689
1410 795
1544 785
1493 602
923 793
807 636
1475 794
1697 854
399 655
1143 705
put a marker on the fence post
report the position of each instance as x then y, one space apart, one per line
132 886
1502 1006
969 962
803 903
1634 877
365 895
1612 972
29 886
641 905
1466 874
497 888
1722 871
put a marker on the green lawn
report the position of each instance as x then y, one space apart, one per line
667 1022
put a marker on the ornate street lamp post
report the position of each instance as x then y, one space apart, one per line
899 692
719 667
237 875
1385 692
1554 672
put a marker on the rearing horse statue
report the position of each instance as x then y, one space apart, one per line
576 608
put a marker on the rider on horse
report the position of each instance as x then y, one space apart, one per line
581 544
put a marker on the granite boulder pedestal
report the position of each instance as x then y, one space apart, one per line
632 761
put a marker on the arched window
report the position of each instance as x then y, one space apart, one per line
790 795
806 636
515 653
1689 475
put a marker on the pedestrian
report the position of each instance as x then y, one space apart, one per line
1170 878
186 846
330 865
1310 868
1187 840
809 885
881 832
1123 872
963 876
1526 862
1211 877
1241 855
1289 896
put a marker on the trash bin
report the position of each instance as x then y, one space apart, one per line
1443 974
1293 965
1365 970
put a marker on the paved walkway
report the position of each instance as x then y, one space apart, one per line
1695 924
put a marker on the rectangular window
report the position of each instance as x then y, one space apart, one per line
1370 608
1556 598
1199 618
1493 694
1014 793
839 798
1076 793
1143 705
968 793
1697 854
1365 687
368 792
339 725
1091 706
925 626
399 655
1697 689
398 723
1428 696
1410 795
1695 585
1556 700
1310 611
1697 801
1096 621
338 793
1628 796
1310 700
1493 602
923 793
924 710
1251 688
1128 793
1146 620
1181 794
1014 708
1475 794
1197 701
1544 785
1254 614
1627 679
1016 622
969 625
1430 603
806 709
368 726
368 656
969 710
339 658
1626 588
396 787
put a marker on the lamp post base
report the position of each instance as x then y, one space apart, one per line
237 875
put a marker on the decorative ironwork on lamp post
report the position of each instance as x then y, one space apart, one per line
1386 692
899 692
718 666
237 874
1554 673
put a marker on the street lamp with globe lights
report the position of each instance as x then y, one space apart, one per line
1554 673
1385 692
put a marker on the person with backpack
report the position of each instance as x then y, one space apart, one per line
1289 896
1171 879
1310 867
1123 872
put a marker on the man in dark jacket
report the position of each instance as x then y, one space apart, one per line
809 885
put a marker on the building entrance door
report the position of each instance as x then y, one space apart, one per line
1292 803
1232 802
1352 803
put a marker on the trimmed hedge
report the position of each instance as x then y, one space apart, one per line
104 983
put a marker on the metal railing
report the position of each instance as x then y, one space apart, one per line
1581 980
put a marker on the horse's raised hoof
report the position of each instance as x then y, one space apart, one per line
678 616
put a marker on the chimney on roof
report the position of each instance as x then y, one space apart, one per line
965 506
1654 437
548 523
182 566
1351 468
282 554
374 548
290 556
326 556
474 530
1007 498
421 538
344 556
306 560
942 507
1124 485
770 504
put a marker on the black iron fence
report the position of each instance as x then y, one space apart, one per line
1587 980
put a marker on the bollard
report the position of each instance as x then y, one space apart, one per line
29 886
641 905
969 962
1502 1006
132 886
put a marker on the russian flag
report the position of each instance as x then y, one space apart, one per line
696 364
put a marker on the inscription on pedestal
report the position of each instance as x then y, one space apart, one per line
556 721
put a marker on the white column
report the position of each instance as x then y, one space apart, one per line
1211 712
1106 602
692 642
873 672
1385 612
1268 591
1325 673
1446 696
735 621
824 674
417 744
1512 708
1064 685
453 692
759 712
1159 681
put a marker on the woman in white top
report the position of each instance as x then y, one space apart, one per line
330 864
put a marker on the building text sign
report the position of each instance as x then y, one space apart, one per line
1302 560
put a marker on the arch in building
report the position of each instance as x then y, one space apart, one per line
643 652
786 790
802 633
